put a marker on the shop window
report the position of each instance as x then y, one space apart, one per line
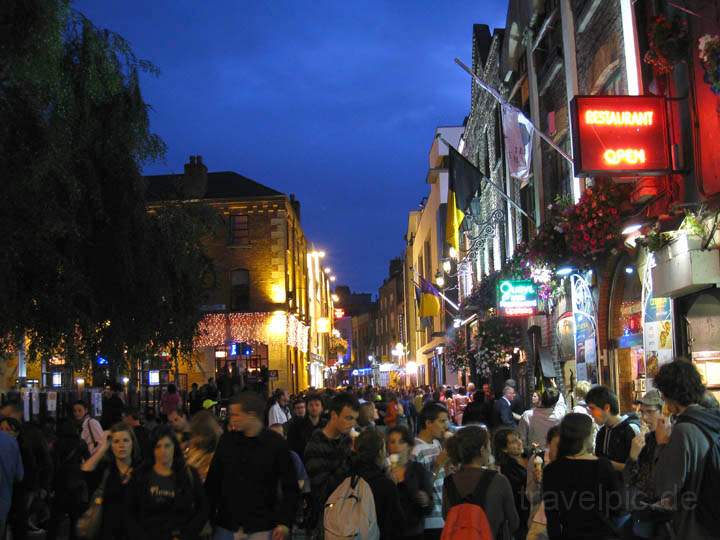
239 233
239 290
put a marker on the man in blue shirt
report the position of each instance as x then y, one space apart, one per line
11 471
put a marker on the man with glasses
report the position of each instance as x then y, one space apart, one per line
638 471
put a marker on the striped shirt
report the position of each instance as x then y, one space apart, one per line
427 453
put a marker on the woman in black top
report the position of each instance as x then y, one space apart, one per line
166 497
413 481
113 471
508 451
580 490
368 462
71 492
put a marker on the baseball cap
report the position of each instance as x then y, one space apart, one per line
651 398
209 403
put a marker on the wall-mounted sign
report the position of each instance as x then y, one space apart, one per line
339 313
620 135
517 297
323 325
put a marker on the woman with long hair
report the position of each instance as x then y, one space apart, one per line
166 499
204 436
509 456
581 492
113 465
469 449
413 480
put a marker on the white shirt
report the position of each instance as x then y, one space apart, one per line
277 415
92 433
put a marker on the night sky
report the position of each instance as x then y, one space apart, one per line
334 101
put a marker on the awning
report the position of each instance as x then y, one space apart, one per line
546 362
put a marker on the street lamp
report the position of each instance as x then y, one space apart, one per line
440 279
447 266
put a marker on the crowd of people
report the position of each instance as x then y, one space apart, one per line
422 463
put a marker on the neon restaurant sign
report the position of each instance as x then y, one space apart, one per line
517 297
620 135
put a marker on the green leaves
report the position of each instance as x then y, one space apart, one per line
77 247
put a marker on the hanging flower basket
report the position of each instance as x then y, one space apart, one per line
495 342
456 354
592 227
668 42
709 53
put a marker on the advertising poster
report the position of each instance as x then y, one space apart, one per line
657 334
585 349
35 401
52 401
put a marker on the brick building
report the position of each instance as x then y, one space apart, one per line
258 293
604 323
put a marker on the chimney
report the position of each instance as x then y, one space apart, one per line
296 205
194 183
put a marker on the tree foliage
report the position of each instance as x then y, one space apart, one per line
83 266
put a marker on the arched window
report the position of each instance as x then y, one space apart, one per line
239 290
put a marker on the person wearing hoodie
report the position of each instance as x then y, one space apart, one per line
684 448
368 462
614 440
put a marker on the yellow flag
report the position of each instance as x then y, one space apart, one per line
453 220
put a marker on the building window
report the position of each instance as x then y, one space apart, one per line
239 235
239 290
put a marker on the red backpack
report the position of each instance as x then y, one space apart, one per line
466 519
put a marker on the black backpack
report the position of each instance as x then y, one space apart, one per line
708 509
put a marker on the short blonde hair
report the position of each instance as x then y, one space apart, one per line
581 389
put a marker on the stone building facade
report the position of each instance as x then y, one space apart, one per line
258 293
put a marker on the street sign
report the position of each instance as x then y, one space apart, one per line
620 135
517 297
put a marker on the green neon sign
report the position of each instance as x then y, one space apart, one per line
517 297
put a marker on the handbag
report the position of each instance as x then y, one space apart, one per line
88 525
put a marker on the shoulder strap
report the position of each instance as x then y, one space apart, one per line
479 494
92 437
452 491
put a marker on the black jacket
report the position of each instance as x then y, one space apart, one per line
502 414
389 513
327 463
478 412
242 483
69 481
182 518
113 408
614 443
417 478
299 431
37 461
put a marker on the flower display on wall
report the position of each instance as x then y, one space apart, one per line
709 53
668 43
592 227
495 342
456 353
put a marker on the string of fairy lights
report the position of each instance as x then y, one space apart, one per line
216 329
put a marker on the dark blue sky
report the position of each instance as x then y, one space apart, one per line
334 101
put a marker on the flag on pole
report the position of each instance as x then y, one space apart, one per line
518 133
463 184
429 299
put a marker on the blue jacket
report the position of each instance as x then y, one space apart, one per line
11 471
